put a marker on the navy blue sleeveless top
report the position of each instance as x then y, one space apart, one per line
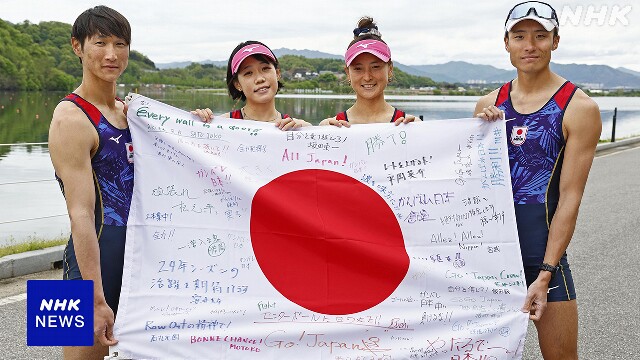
536 150
112 167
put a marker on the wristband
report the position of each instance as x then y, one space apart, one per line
550 268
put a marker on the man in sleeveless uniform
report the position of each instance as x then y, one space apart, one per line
552 141
91 151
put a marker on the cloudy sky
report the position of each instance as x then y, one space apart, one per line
418 32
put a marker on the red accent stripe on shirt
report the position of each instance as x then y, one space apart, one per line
236 114
563 95
92 112
503 94
397 114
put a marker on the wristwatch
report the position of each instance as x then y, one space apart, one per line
550 268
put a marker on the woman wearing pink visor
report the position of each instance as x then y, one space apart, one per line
253 76
369 70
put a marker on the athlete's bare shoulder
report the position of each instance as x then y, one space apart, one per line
70 124
582 115
486 101
582 105
584 100
69 114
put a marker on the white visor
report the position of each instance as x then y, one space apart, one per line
547 24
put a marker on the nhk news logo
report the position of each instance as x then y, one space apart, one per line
59 312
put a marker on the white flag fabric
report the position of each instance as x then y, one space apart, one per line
371 242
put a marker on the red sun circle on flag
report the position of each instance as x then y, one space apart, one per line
327 242
519 132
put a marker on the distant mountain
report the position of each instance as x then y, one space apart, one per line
597 76
310 54
592 76
184 64
463 72
173 65
314 54
507 75
412 70
629 71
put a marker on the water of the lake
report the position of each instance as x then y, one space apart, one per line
32 206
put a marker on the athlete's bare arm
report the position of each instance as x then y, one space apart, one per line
72 140
581 127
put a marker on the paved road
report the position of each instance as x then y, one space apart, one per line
13 338
603 255
604 260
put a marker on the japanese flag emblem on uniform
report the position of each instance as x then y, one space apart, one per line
518 135
129 147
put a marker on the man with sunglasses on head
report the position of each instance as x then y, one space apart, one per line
553 134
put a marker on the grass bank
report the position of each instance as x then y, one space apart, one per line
618 138
34 244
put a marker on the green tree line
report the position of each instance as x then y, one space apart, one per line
37 57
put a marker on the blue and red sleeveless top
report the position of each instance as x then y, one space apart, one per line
536 150
237 114
112 166
397 114
536 145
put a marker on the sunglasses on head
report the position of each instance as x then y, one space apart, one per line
540 9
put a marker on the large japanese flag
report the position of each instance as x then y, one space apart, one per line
370 242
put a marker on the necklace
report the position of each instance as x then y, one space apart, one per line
247 116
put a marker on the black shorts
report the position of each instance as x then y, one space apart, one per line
111 242
561 286
533 233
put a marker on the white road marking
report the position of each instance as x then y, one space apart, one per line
616 153
13 299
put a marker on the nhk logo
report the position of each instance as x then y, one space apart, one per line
60 320
590 14
59 312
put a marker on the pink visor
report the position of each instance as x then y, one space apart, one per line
245 52
374 47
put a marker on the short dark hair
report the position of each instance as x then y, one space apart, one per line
235 93
101 20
